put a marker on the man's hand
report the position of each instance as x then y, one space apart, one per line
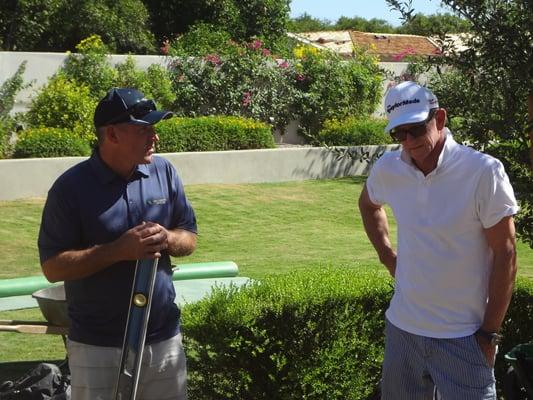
146 240
488 349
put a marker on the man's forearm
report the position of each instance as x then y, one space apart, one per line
377 229
181 242
77 264
501 284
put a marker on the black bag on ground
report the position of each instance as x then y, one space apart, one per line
44 382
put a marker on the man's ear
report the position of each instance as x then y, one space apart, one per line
111 134
440 118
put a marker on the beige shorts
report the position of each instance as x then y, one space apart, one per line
94 371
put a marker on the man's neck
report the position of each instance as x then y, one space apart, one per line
115 163
432 160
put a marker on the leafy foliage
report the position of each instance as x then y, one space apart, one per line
8 91
354 131
247 82
89 67
419 24
486 87
212 134
202 39
57 25
23 22
311 334
242 19
306 335
63 104
428 25
50 142
333 87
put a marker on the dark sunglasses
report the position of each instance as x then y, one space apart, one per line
137 111
415 130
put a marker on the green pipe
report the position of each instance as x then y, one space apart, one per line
30 284
223 269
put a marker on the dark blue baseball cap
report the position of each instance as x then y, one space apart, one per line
126 105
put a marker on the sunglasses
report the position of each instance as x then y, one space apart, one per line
414 130
137 111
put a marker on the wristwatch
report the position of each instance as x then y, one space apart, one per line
494 338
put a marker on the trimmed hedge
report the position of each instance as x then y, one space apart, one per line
311 335
50 142
306 335
212 133
354 131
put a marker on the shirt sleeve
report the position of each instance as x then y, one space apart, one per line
374 185
495 196
58 231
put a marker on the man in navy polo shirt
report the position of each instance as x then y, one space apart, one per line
120 205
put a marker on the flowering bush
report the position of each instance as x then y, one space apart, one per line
249 81
246 81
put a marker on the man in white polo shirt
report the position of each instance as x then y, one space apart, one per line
455 263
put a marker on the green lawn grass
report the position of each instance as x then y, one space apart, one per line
264 228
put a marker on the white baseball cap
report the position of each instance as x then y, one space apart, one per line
408 103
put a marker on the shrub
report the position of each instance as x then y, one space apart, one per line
89 67
201 39
63 104
245 81
334 87
212 133
50 142
305 335
6 127
155 82
354 131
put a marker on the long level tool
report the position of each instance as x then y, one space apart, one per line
136 326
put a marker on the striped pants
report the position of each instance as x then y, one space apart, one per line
94 371
416 367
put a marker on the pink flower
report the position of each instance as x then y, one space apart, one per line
283 64
256 44
213 59
246 99
266 52
300 77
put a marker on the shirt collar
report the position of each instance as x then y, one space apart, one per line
107 175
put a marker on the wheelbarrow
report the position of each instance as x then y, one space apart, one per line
521 359
53 305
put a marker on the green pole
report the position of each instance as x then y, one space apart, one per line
30 284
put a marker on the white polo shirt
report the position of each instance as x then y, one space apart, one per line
444 261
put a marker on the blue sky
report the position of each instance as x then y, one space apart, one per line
368 9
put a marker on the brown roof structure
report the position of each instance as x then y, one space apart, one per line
387 46
394 47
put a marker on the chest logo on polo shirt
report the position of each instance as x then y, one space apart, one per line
157 202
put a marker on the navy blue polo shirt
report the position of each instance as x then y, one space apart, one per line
89 205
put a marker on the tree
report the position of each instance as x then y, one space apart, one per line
489 86
427 25
58 25
363 25
243 19
307 23
23 22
